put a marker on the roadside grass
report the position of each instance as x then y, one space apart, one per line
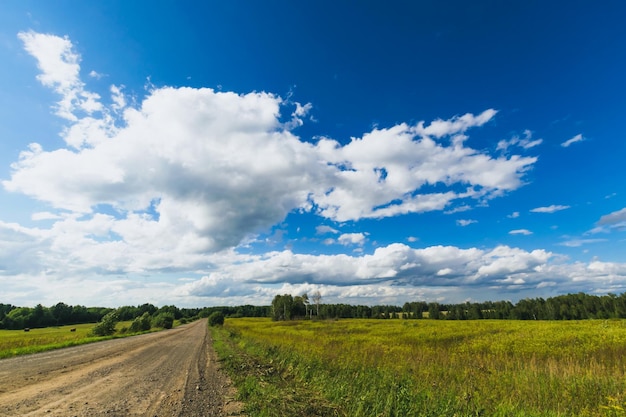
19 342
426 367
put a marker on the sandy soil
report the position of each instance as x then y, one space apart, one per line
169 373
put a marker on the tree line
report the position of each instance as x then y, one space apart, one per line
578 306
18 318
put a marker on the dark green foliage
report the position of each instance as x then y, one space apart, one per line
164 320
216 319
141 324
107 326
579 306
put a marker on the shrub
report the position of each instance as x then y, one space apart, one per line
216 319
106 327
141 324
164 320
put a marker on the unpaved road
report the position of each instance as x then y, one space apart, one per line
168 373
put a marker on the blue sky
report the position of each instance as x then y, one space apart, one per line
222 153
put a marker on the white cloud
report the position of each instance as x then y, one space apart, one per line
458 124
524 232
578 138
463 222
60 68
323 229
549 209
459 209
612 221
526 142
72 262
513 215
613 218
411 162
352 239
171 183
574 243
95 74
217 167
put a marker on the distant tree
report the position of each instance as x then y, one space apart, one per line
298 309
307 302
282 307
317 299
62 313
147 308
175 311
433 311
128 313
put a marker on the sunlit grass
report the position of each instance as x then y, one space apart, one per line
462 368
19 342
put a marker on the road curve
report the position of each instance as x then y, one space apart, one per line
168 373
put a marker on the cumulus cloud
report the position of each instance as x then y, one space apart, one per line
217 167
396 263
60 70
173 182
578 138
397 272
549 209
380 174
352 239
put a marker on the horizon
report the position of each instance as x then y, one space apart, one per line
221 154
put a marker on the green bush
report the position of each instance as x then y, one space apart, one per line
164 320
106 327
141 324
216 319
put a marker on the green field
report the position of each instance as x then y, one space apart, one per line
358 367
19 342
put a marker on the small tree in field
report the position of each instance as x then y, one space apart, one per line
106 327
216 319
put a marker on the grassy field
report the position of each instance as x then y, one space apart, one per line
19 342
427 367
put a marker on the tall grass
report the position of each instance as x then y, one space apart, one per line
432 368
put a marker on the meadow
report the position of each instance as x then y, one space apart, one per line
359 367
19 342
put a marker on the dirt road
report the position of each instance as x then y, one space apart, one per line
169 373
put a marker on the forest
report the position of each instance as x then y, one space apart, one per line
578 306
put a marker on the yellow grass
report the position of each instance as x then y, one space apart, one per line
485 367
